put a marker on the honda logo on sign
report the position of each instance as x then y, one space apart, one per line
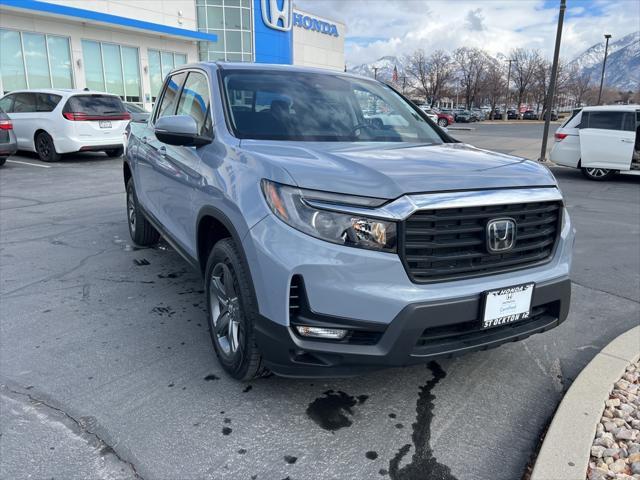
501 235
272 14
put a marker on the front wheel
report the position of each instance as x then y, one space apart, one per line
45 148
598 174
443 122
232 311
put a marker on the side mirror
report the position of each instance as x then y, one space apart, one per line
180 130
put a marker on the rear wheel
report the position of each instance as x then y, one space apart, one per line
443 122
232 311
45 148
598 174
114 152
141 231
2 161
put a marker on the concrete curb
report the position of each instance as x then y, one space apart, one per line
460 128
567 445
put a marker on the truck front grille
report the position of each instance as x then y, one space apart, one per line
451 243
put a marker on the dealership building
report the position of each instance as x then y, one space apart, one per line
126 47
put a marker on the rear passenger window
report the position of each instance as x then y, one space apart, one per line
169 100
195 101
24 103
6 103
605 120
629 122
46 102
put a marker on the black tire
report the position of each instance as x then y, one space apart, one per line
141 231
3 160
598 174
45 148
443 122
233 280
114 152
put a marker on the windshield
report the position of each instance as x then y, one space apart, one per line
286 105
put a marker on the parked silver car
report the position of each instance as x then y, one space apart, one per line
8 143
334 241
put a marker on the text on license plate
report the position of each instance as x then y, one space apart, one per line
105 123
507 305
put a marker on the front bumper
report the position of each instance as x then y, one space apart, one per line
419 333
368 290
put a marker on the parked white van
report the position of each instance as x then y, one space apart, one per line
602 141
56 121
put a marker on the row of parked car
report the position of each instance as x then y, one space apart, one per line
52 122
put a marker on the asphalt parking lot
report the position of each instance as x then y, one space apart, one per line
106 367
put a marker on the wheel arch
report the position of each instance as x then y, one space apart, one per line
38 131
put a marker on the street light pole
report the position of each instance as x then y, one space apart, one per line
604 64
506 98
552 82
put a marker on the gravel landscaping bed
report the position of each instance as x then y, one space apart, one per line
615 453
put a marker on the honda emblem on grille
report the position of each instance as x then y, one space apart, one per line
501 235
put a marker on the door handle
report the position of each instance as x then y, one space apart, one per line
626 141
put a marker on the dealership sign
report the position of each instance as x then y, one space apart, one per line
310 23
277 15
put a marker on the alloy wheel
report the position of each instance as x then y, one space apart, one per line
597 172
131 210
225 311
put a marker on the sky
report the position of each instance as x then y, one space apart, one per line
376 28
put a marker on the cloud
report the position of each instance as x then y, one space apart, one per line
474 21
398 27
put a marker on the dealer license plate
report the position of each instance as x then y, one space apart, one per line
507 305
105 123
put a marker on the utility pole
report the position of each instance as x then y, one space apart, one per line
375 72
506 98
607 36
552 82
404 83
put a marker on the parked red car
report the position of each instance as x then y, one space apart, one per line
445 119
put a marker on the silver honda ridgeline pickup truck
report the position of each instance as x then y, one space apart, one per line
337 228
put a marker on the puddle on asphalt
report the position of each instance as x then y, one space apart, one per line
334 410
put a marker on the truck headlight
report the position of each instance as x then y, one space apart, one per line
289 205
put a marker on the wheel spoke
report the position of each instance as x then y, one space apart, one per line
233 335
222 323
219 291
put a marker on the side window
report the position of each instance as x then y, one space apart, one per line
606 120
24 103
46 102
170 98
6 103
195 101
584 121
629 122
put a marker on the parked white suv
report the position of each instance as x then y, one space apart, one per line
55 121
602 141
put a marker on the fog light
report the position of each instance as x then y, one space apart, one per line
319 332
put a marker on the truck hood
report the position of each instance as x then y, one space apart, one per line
390 170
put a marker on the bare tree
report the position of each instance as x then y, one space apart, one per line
439 70
494 83
471 63
416 68
578 85
526 61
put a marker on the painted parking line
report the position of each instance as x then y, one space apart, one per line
28 163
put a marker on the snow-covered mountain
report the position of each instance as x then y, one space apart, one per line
385 66
623 62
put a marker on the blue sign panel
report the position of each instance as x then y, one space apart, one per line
272 29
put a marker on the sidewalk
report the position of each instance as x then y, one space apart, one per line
566 449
